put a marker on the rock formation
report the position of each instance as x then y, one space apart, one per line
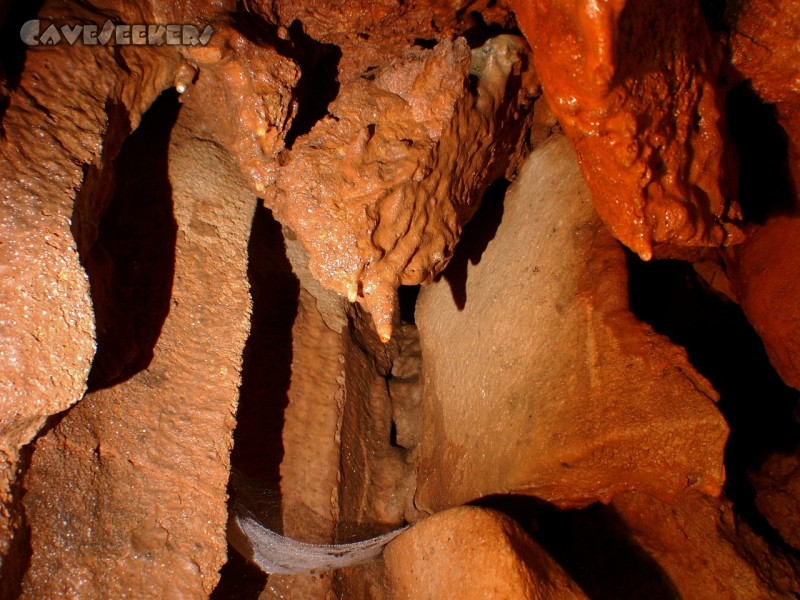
362 265
636 86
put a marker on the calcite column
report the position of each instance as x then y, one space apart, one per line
127 494
56 128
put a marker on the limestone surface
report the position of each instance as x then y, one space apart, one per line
378 189
529 334
470 553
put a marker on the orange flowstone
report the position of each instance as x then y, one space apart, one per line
634 87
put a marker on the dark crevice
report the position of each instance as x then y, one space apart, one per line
239 580
12 48
593 546
266 375
724 348
318 85
715 12
425 43
475 238
125 231
477 31
267 360
407 295
17 557
393 436
765 183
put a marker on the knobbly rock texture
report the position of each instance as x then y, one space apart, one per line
634 84
312 423
535 337
126 495
49 140
222 279
360 188
470 552
338 419
339 477
369 33
126 513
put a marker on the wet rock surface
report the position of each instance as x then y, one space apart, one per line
342 266
635 86
765 52
360 188
124 489
50 140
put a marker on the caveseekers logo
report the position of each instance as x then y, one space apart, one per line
44 33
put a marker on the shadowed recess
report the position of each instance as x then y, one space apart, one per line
407 296
595 547
124 226
12 49
318 85
765 184
592 545
477 31
724 348
266 374
475 238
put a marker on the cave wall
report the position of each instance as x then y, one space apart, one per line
211 259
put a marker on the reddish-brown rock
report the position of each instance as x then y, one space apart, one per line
634 84
379 189
51 140
373 130
341 478
311 465
538 379
767 269
766 276
765 51
127 494
471 553
368 33
777 484
137 454
705 550
59 149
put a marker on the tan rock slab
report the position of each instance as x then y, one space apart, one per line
539 380
468 553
